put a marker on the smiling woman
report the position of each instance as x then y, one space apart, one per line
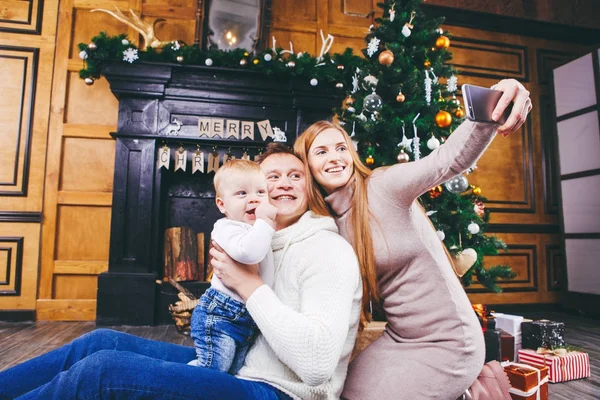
329 160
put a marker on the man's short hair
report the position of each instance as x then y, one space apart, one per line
275 148
232 167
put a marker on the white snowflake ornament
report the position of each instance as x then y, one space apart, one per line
452 84
175 45
130 55
373 46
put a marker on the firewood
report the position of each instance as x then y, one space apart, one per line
181 254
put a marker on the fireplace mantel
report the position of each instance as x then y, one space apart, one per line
151 96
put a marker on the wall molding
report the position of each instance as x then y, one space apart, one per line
514 26
26 114
14 265
20 216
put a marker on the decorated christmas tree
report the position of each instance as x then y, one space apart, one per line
402 105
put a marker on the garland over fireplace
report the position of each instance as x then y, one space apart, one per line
161 105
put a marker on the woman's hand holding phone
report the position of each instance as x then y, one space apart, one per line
512 92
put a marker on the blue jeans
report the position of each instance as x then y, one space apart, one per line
223 332
106 364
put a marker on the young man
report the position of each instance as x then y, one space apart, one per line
309 319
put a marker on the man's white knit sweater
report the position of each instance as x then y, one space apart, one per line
309 318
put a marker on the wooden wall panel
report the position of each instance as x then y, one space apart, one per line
23 16
90 105
27 35
75 287
19 252
299 11
528 255
87 165
82 233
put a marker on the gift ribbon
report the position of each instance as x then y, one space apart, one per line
560 353
481 311
536 389
555 352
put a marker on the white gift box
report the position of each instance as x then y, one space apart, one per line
512 325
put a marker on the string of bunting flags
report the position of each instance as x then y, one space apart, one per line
216 128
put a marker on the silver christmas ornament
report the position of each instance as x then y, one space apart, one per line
373 103
208 62
457 185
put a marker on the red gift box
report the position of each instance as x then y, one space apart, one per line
562 365
527 382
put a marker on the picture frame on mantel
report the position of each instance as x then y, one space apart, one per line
231 24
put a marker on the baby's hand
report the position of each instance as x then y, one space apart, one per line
267 212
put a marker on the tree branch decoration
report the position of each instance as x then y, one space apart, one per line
143 28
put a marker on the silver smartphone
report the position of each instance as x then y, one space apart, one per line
480 103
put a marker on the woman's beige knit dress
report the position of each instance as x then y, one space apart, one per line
433 346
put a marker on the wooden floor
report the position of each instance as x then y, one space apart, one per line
20 341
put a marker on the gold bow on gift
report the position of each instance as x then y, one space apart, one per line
560 353
555 352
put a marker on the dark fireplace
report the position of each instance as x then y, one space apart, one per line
161 105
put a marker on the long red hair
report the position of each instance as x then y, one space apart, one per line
359 213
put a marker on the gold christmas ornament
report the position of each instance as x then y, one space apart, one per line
402 157
477 191
442 42
400 98
443 119
436 192
386 57
459 113
370 160
246 54
256 61
427 64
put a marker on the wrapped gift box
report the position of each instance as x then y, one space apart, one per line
499 345
485 316
512 325
543 333
527 382
493 344
562 365
507 346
